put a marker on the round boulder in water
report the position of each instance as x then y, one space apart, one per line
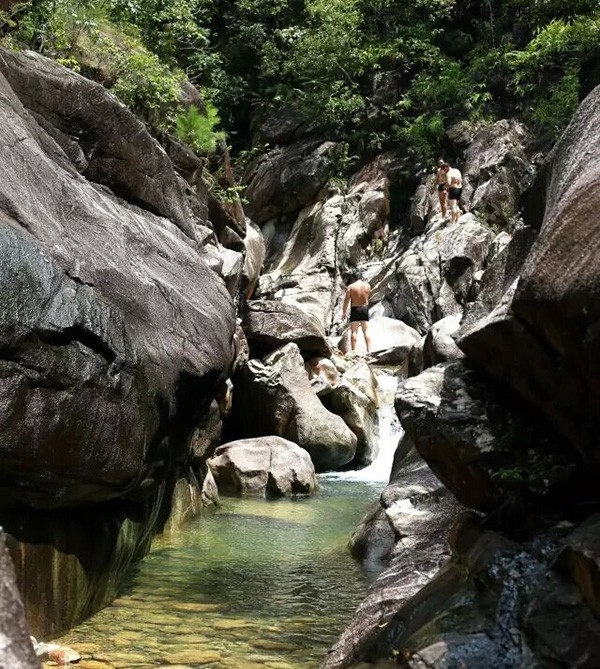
263 466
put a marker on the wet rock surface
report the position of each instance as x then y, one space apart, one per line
16 649
115 332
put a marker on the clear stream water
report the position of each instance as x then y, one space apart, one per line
253 584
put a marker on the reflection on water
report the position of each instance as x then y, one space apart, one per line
254 584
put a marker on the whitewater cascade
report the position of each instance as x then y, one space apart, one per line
390 432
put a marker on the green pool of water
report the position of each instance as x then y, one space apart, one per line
253 584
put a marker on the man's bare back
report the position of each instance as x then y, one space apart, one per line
359 293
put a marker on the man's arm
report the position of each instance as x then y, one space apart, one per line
345 305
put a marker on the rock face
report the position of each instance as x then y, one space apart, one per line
434 276
67 105
275 397
100 329
114 333
16 650
407 529
497 603
285 180
466 434
270 324
545 344
497 169
264 466
354 397
308 256
439 345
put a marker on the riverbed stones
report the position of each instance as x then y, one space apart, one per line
263 466
274 397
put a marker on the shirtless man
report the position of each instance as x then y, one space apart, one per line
454 192
357 295
442 183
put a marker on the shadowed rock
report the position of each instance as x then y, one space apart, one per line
275 397
269 324
16 651
544 342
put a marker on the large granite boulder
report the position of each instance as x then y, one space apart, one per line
112 321
16 650
354 397
435 275
497 168
545 343
406 530
68 106
270 324
495 603
388 335
114 334
477 446
285 180
275 397
263 466
439 345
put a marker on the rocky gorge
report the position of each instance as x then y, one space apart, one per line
133 396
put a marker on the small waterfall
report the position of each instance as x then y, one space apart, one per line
390 432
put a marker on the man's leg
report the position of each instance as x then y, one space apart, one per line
454 210
442 196
353 333
365 329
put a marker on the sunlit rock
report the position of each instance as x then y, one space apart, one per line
263 466
275 397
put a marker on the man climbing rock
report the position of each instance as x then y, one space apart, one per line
357 296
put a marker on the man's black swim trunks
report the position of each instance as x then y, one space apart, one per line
441 187
454 193
359 314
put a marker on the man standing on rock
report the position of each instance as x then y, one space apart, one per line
442 183
357 295
454 192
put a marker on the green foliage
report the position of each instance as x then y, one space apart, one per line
535 475
198 130
326 58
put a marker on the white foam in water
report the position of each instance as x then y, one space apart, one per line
390 432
